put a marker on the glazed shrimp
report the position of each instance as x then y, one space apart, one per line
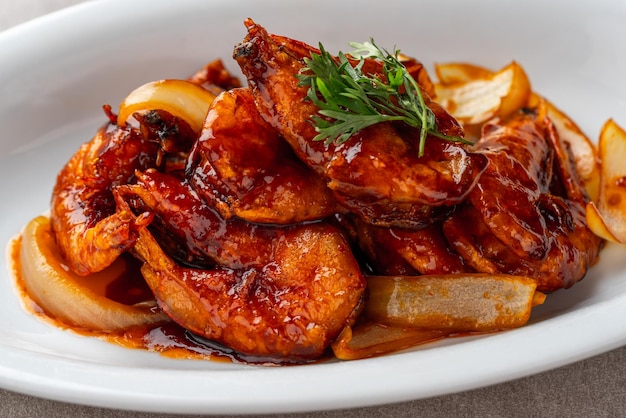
192 231
89 232
377 174
404 252
243 166
274 292
526 215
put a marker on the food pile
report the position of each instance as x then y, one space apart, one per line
346 203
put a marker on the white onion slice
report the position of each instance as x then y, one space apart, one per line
180 98
474 101
63 294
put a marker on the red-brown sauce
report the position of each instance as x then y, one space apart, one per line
169 339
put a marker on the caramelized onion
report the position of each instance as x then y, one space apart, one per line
479 99
583 151
607 218
460 72
66 296
180 98
460 302
372 339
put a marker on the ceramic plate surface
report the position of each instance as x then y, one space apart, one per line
59 70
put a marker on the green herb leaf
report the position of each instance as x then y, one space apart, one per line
349 100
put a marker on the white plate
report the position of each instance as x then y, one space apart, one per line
57 71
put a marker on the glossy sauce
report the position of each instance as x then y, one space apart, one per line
169 339
380 175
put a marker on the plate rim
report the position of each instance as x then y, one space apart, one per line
30 382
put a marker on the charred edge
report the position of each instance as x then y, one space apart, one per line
245 50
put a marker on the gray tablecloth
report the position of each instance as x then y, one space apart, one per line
595 387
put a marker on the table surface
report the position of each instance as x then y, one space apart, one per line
595 387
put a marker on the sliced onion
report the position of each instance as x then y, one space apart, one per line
180 98
607 218
583 151
460 72
488 95
64 296
403 312
605 226
373 339
455 302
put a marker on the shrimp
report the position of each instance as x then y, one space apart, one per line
526 216
89 232
214 77
192 231
404 252
273 292
377 174
242 165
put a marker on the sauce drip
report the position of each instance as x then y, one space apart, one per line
128 287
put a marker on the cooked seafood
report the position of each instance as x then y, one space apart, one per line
254 235
378 174
89 231
243 165
284 293
193 231
404 252
526 215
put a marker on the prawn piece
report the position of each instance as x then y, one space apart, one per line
283 293
241 165
377 174
89 232
404 252
526 215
